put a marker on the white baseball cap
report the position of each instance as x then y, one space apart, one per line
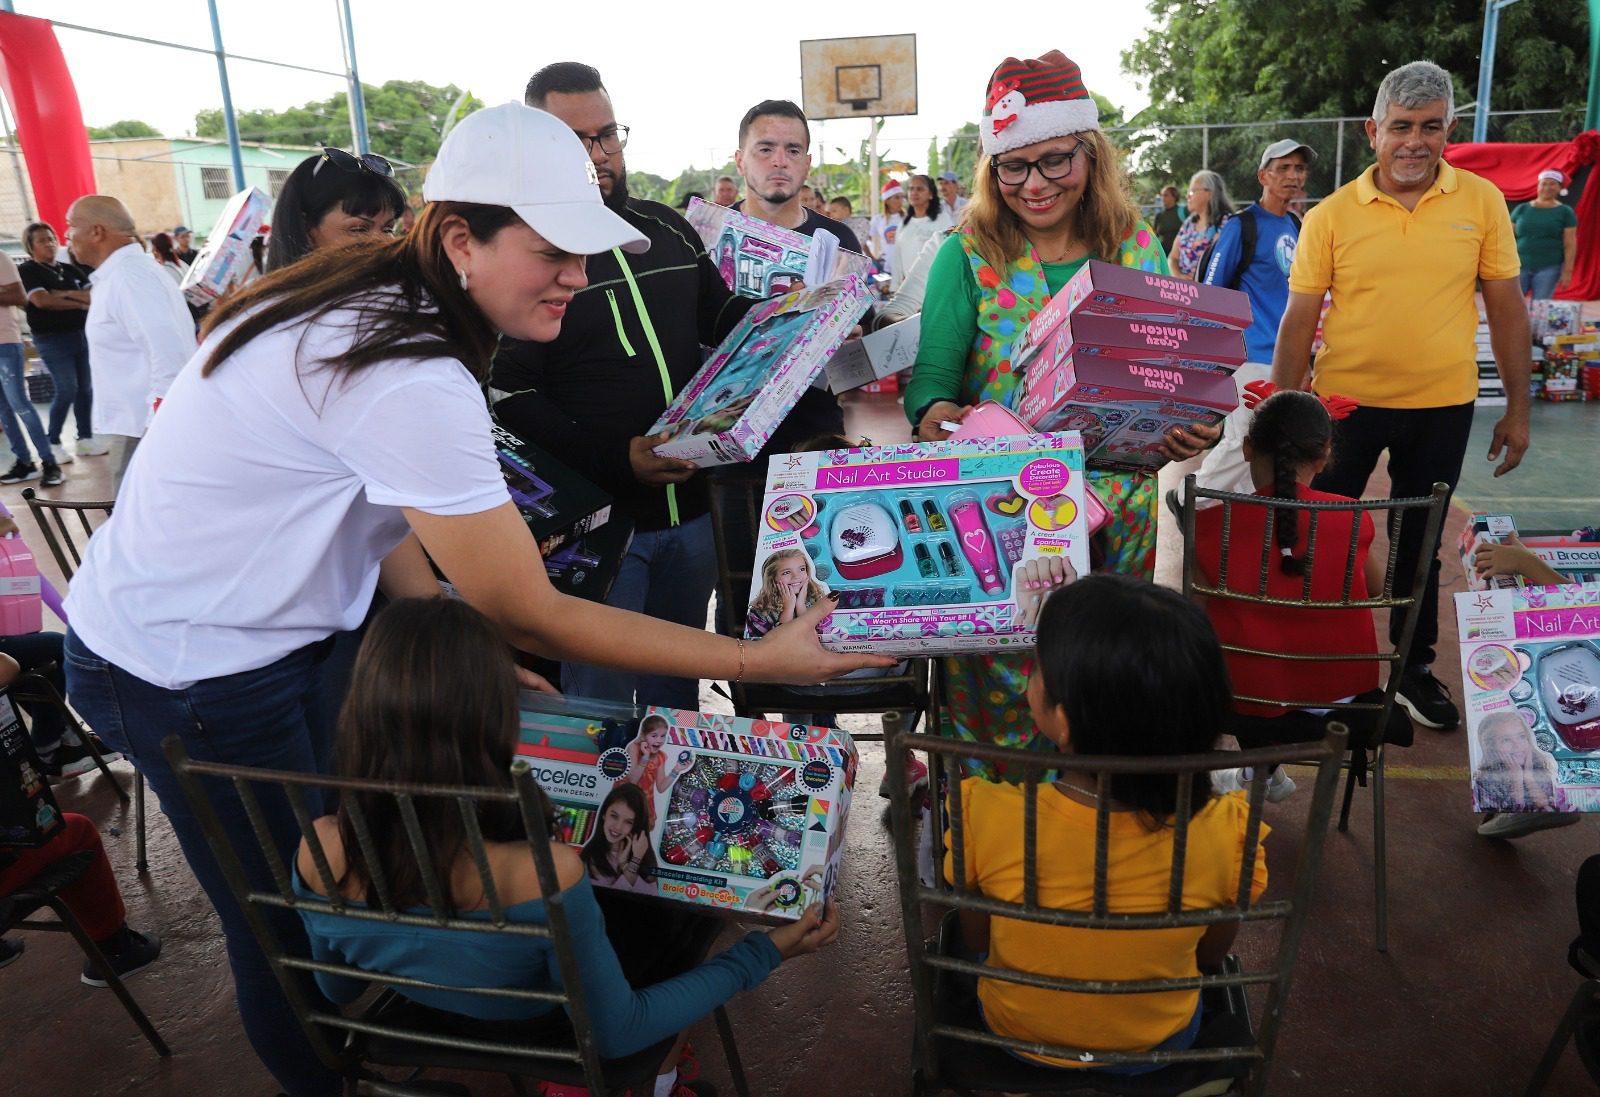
531 161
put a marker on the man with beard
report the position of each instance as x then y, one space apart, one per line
630 341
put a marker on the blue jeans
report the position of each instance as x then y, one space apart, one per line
1541 283
281 716
66 355
14 400
667 574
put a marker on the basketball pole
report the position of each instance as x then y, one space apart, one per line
875 198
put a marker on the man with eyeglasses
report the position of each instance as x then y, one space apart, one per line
630 341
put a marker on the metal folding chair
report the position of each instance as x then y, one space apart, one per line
1581 1024
391 1030
64 523
1400 594
735 517
954 1049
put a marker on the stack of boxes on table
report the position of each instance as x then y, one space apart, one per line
1566 353
1124 355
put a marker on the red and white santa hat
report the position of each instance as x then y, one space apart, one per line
1035 100
892 189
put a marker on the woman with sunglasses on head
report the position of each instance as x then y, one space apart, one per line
346 440
1049 194
333 198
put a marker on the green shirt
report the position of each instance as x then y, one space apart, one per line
1539 233
950 323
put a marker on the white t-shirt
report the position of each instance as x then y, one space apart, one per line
912 238
263 498
140 334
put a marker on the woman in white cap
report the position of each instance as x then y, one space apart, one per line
329 431
1547 238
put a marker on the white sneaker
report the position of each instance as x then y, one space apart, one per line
92 447
1514 824
62 455
1280 786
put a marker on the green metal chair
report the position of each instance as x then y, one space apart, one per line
387 1029
952 1046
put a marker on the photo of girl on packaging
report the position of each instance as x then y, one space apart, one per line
788 589
619 855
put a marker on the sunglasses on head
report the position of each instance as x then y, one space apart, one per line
344 161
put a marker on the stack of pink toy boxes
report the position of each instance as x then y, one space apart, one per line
1123 356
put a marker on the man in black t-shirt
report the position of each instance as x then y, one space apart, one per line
58 306
183 244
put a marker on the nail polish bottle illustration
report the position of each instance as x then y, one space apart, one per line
925 564
935 519
908 514
951 566
977 543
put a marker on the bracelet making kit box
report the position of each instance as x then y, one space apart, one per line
1530 680
745 816
728 410
929 546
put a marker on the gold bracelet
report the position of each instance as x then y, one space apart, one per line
740 676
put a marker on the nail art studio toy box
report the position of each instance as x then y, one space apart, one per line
1530 679
923 542
745 816
731 407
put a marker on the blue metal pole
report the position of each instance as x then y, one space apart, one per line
227 99
1491 32
358 102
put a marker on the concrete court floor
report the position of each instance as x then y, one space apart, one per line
1462 1003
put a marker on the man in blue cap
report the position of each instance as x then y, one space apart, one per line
183 241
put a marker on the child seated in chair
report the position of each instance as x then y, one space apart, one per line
1289 442
433 700
1124 668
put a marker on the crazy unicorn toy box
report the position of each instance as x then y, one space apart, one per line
740 815
929 546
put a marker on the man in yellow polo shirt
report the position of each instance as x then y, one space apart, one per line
1402 249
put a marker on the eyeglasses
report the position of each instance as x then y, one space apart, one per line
1057 165
344 161
611 142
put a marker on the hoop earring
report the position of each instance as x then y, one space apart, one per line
463 276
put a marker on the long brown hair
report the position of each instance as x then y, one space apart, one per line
1105 216
406 294
433 699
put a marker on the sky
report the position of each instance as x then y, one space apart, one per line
681 81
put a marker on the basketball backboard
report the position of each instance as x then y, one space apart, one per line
859 77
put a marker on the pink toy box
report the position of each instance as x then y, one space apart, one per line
731 407
21 592
926 544
1147 342
1107 289
988 419
744 816
226 256
1123 409
1530 682
757 258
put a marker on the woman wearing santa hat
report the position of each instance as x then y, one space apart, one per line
1048 194
1547 238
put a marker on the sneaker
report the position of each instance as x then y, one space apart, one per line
50 475
1427 701
1514 824
74 759
92 447
11 951
916 778
1280 786
62 454
129 952
22 470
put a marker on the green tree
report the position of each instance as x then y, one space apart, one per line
1238 60
128 127
405 119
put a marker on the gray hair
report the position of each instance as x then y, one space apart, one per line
1415 85
1219 206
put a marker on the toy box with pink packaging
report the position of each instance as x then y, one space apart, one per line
728 410
1109 289
745 816
757 258
1123 409
930 547
1530 682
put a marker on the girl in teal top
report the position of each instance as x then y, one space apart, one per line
433 699
1039 211
1547 238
